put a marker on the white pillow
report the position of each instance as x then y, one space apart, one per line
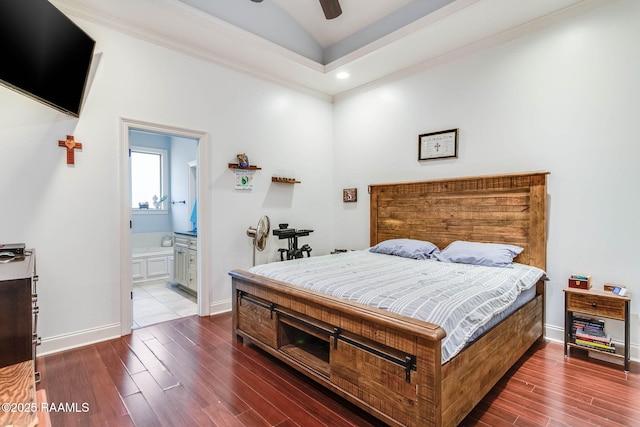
488 254
406 248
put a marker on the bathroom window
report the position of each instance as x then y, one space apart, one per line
149 182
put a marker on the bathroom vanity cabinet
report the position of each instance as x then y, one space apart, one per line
185 250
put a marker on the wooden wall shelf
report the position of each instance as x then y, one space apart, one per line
284 180
250 167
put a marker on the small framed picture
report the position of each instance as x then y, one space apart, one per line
244 179
438 145
350 195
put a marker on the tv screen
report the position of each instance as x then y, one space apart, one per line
45 55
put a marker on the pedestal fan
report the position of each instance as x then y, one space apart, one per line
259 235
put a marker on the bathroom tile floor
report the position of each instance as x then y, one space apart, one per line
159 301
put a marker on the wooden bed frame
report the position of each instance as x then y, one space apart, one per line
387 364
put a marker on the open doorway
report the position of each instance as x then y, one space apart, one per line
161 276
164 226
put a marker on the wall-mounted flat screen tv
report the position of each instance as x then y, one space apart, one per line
44 54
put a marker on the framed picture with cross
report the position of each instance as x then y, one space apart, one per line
438 145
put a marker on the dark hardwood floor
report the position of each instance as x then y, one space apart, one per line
188 372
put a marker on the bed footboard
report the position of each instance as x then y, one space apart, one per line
386 364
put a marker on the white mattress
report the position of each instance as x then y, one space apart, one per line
463 299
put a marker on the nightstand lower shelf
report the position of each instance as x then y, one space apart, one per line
619 353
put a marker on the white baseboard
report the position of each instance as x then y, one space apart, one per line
71 340
554 333
220 307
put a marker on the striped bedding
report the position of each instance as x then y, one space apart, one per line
460 298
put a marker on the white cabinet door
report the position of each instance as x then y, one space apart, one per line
138 269
192 270
157 266
180 265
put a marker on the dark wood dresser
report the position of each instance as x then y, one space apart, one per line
18 310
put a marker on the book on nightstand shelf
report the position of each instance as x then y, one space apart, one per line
590 333
596 346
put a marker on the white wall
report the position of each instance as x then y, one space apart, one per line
71 215
565 100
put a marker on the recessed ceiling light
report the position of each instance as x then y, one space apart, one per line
342 75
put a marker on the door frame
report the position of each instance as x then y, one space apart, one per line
204 243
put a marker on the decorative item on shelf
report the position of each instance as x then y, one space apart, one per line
350 195
157 203
243 163
143 205
70 144
243 160
438 145
284 180
620 290
579 281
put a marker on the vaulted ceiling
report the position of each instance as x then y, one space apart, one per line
292 43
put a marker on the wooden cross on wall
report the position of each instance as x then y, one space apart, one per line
70 144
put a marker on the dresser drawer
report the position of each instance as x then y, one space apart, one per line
596 305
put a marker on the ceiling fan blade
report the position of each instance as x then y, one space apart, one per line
331 8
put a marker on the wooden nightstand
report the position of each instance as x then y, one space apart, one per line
599 304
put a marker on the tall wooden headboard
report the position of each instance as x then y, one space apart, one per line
494 209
